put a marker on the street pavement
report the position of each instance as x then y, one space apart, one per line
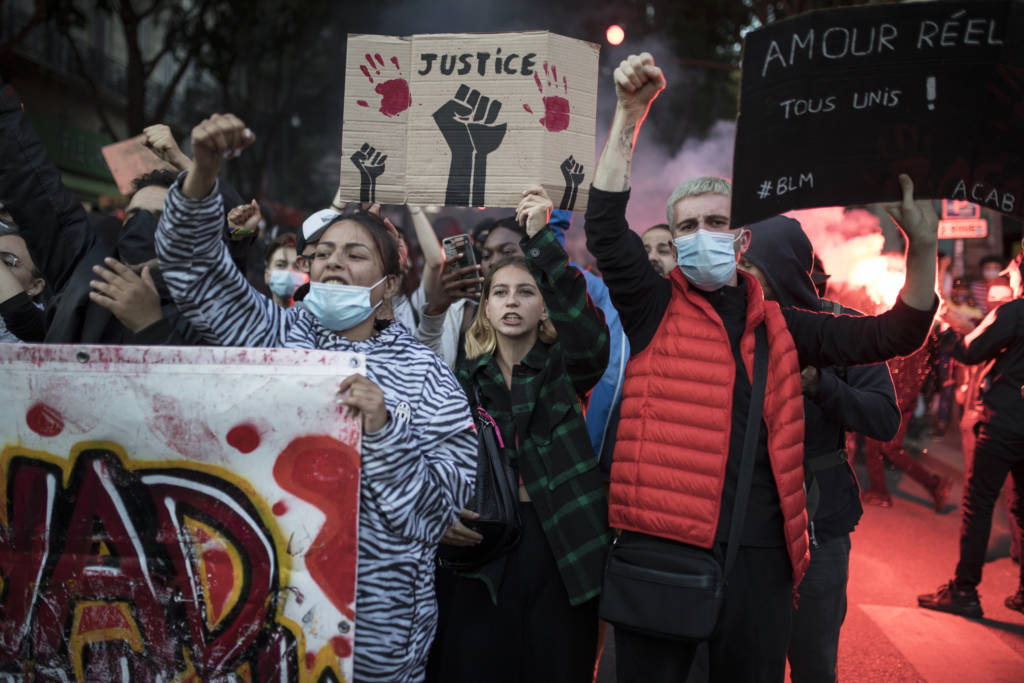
909 549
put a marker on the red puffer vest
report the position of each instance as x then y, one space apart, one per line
673 439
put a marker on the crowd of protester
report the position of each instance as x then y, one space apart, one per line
620 401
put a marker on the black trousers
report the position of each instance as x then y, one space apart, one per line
820 612
996 454
752 636
532 635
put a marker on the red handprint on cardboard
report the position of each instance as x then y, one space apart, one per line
556 107
394 92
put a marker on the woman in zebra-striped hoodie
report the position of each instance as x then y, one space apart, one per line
418 449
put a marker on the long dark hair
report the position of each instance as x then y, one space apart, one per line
384 237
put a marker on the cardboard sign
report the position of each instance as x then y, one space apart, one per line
836 103
468 119
962 228
176 514
131 158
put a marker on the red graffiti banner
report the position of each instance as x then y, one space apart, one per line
172 514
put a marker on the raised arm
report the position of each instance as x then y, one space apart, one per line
637 82
920 225
160 139
639 294
822 339
206 286
433 261
431 248
582 332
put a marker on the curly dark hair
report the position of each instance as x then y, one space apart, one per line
158 178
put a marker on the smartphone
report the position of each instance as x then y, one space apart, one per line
459 249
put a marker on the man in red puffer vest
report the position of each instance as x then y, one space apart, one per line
687 392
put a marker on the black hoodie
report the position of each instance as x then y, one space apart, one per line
860 399
61 240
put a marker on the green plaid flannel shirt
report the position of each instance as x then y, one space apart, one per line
542 425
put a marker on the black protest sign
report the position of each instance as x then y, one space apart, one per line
468 119
835 104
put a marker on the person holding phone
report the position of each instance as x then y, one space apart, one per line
449 305
537 345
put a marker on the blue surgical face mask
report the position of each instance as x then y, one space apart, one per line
283 283
340 307
707 259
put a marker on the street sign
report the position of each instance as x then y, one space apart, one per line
960 228
958 208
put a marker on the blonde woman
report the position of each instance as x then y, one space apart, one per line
536 347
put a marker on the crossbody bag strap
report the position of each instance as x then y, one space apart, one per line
757 389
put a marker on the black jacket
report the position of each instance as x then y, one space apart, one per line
999 337
61 240
859 398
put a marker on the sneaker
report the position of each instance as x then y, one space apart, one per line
1016 601
879 498
940 492
949 598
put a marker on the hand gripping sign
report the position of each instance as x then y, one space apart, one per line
176 514
468 119
836 103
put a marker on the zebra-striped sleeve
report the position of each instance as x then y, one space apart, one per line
420 468
207 287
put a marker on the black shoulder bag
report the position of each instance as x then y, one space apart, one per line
495 498
673 590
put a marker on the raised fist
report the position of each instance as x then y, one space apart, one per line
370 163
572 172
637 82
217 138
467 123
244 220
160 139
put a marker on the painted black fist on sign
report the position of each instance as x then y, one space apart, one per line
467 123
370 163
572 171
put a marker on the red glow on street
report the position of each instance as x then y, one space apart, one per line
615 34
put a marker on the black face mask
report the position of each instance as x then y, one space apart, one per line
136 240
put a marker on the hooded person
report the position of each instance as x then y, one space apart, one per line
860 399
69 255
85 311
21 289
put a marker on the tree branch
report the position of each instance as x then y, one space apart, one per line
93 88
165 100
149 65
150 10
